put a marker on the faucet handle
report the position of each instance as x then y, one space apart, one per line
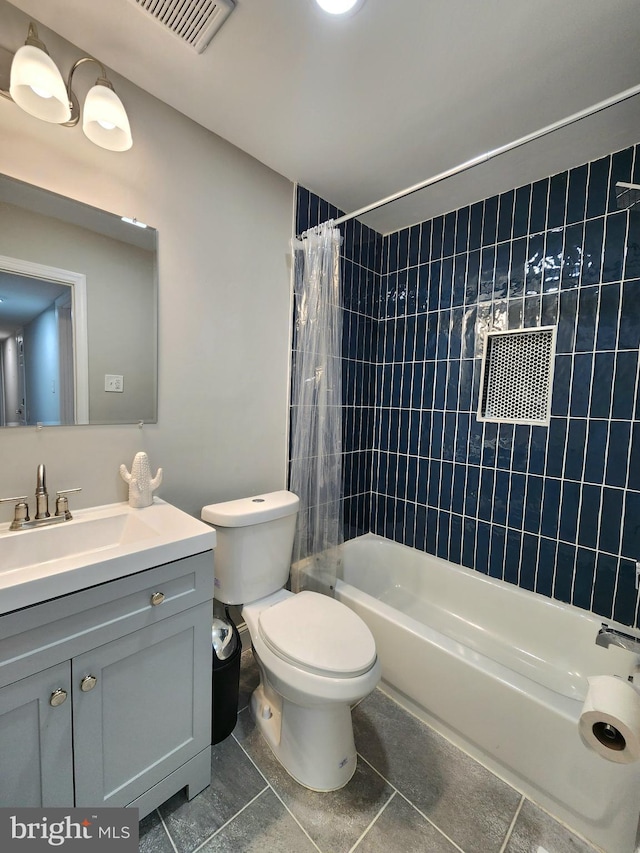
62 504
21 511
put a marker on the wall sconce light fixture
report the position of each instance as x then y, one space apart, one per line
36 85
340 7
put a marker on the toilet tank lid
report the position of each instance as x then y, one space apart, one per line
253 510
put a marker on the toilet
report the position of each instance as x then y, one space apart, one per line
316 656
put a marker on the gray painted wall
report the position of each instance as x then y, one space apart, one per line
224 223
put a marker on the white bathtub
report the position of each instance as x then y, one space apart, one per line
500 671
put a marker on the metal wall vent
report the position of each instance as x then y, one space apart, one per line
194 21
517 376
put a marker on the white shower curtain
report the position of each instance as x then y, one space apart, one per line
316 410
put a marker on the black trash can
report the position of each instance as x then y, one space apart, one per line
227 649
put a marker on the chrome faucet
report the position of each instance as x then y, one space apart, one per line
610 637
42 496
43 517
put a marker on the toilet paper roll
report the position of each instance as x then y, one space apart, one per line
610 719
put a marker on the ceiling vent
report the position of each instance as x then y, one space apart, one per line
194 21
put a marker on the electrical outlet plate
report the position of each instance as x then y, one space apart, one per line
113 382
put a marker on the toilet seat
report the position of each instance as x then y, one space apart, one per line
318 634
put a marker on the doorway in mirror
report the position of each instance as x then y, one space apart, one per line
43 345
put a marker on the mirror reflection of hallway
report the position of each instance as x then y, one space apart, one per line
113 261
37 366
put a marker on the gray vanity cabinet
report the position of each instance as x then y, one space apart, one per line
142 710
36 740
105 694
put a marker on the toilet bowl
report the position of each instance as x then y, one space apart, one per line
316 657
308 683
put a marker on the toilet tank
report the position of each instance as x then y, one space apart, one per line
253 545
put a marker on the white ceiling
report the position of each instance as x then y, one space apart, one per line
69 210
356 109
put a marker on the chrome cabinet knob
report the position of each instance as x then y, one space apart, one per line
58 697
88 683
157 598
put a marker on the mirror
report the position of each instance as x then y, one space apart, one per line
78 312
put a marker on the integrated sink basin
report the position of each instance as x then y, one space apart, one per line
97 545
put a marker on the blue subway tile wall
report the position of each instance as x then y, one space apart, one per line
552 509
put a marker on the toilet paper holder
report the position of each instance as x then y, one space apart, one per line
609 723
608 636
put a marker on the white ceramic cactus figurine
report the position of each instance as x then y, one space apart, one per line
141 484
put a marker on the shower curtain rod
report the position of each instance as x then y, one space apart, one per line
483 158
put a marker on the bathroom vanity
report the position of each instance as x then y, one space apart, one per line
105 689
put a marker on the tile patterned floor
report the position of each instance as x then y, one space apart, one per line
402 799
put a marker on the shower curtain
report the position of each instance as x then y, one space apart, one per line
316 410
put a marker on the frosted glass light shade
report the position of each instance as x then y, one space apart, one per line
339 7
105 121
37 86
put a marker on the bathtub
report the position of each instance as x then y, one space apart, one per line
502 673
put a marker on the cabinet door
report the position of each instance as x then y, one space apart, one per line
141 707
35 740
